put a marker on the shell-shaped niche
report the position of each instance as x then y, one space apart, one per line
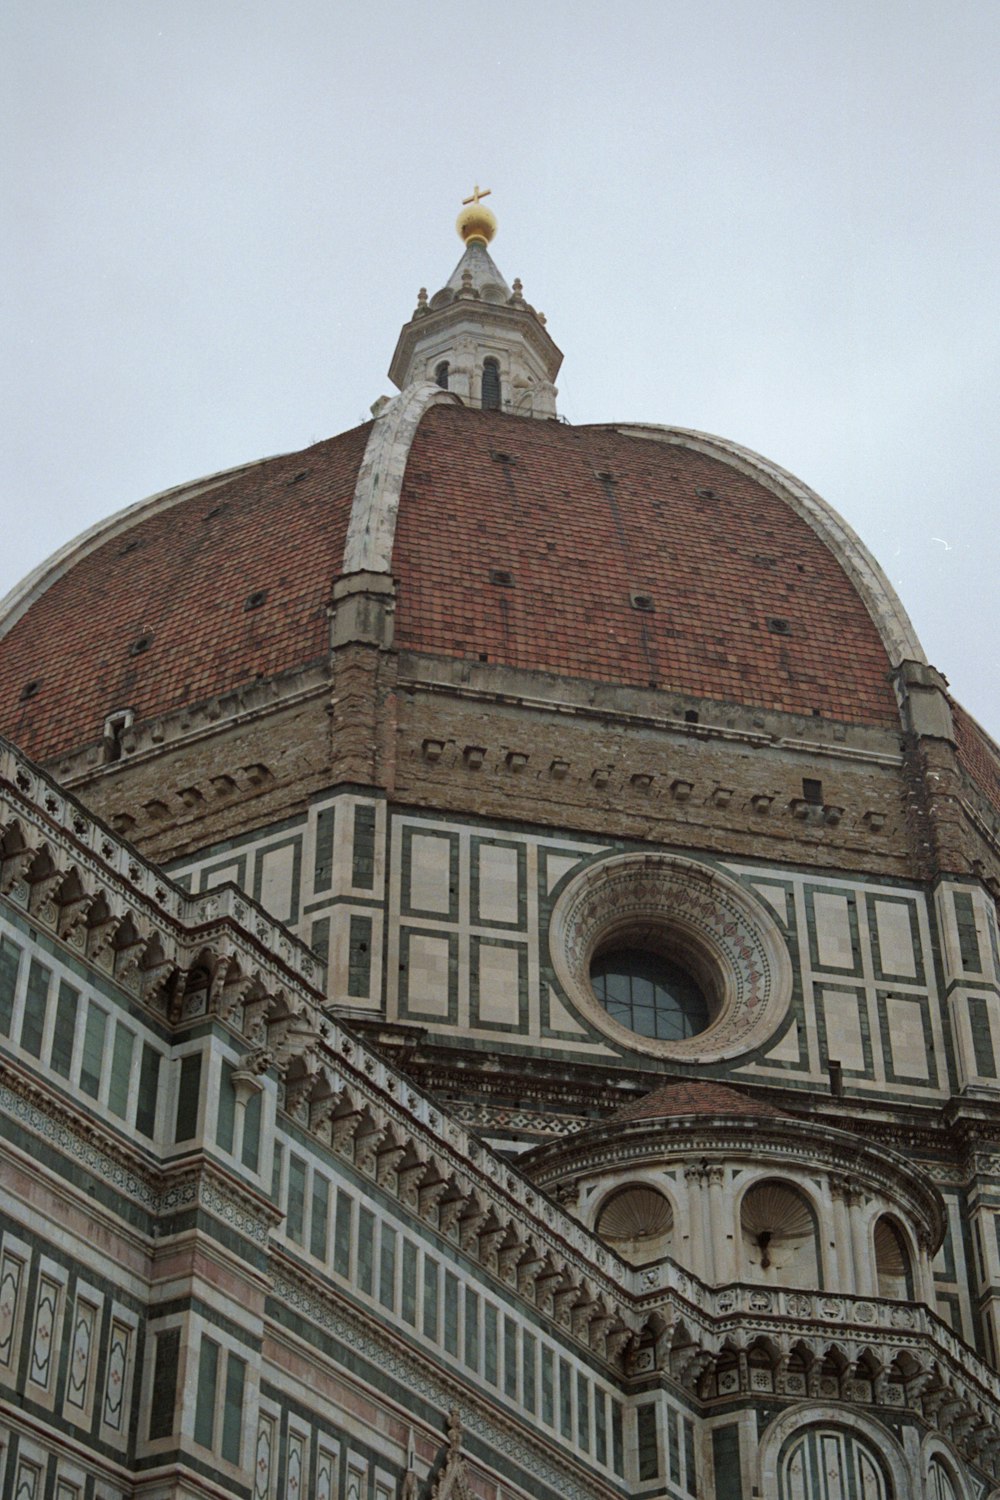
892 1261
779 1236
637 1222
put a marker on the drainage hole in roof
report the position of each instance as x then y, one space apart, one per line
642 602
778 626
605 476
500 458
296 478
30 689
129 546
763 561
139 646
215 511
705 493
502 577
255 600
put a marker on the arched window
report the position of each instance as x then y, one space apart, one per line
828 1464
779 1236
637 1222
441 374
892 1262
491 385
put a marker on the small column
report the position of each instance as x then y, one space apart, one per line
923 1275
865 1279
843 1256
698 1250
719 1228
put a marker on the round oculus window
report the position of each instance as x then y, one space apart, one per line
649 993
670 957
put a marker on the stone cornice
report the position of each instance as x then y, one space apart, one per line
147 739
539 692
72 874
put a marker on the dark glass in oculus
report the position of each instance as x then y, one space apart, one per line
650 994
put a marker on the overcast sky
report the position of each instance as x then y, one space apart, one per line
777 221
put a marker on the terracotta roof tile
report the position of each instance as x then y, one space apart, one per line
978 756
748 604
181 579
679 1099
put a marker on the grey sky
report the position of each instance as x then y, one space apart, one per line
776 221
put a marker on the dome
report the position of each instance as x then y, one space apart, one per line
582 552
672 565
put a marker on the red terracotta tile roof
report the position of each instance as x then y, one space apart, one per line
718 555
978 756
182 577
582 519
678 1099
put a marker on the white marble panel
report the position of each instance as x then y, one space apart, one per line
213 878
560 1018
843 1029
777 898
557 866
498 883
906 1038
833 931
430 873
427 989
276 869
787 1050
499 973
892 919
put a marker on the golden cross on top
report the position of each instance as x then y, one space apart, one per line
476 195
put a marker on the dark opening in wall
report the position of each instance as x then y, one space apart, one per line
441 374
491 385
812 791
115 726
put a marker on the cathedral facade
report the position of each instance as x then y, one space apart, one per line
499 976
